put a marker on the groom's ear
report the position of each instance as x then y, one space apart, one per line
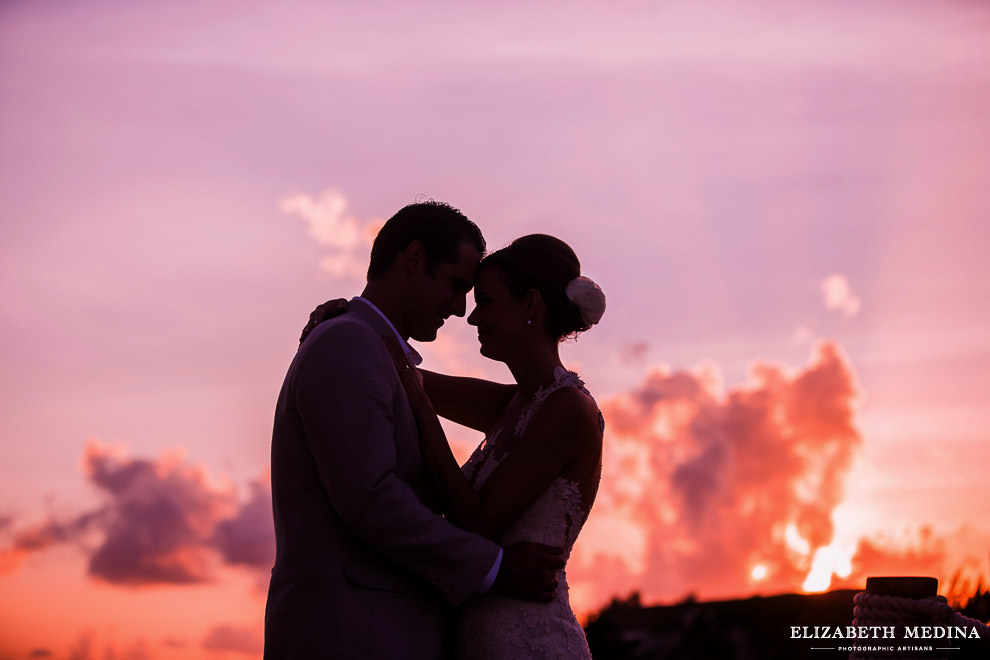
414 257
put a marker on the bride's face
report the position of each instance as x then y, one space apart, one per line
499 317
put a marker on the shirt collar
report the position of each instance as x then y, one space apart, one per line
415 358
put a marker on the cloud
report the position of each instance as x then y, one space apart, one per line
325 218
163 522
247 538
732 492
229 638
839 296
347 238
162 515
595 578
924 555
47 534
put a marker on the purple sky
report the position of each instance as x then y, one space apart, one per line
711 165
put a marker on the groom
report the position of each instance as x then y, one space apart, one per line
364 566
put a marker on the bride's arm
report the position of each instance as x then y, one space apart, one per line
564 429
471 402
564 434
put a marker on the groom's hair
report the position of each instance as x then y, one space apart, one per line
437 225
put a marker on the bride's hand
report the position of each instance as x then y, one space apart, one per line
324 312
411 379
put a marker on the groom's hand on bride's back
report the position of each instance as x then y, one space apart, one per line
324 312
529 571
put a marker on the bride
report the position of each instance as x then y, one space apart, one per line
536 474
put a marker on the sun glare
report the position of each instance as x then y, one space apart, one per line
795 541
828 561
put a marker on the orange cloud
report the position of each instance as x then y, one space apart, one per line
732 492
924 555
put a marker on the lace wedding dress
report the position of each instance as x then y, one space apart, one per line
495 627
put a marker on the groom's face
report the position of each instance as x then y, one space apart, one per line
442 293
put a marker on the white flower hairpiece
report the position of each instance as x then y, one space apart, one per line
588 297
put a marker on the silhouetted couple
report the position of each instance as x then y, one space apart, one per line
386 547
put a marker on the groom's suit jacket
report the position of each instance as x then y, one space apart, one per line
363 563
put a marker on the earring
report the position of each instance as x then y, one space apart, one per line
529 321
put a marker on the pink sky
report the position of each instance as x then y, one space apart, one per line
786 206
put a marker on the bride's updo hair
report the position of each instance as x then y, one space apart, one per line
547 264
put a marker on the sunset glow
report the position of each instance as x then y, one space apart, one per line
785 205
